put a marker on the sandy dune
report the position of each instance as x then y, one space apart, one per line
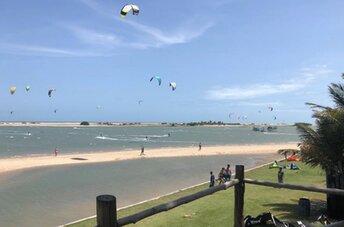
17 163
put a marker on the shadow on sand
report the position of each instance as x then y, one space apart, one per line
80 159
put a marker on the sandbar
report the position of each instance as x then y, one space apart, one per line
19 163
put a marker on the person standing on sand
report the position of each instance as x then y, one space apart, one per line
212 179
56 151
199 146
142 151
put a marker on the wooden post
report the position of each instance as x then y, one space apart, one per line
239 190
106 211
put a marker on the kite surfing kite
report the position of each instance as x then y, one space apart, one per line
50 92
270 108
27 88
157 78
173 85
127 8
140 101
12 90
55 110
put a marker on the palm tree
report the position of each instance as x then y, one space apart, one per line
324 145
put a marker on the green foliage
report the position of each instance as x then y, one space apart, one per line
217 209
205 123
84 123
324 145
302 123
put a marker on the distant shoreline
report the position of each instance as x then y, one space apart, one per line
19 163
109 124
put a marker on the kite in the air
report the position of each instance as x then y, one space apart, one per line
50 92
27 88
270 108
157 78
275 117
55 110
140 101
173 85
12 90
12 112
127 8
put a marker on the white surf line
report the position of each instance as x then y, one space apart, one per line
158 197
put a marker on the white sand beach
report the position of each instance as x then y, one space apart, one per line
18 163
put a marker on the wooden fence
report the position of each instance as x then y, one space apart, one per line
107 212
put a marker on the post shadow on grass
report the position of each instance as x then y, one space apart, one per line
290 211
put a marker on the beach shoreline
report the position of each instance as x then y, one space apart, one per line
20 163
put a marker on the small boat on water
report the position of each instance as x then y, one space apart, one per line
258 129
271 128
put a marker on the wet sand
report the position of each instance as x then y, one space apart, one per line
18 163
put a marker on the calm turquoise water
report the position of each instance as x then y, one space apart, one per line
56 195
21 141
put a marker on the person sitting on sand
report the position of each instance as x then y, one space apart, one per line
221 179
212 179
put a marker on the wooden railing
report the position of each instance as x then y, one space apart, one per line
107 212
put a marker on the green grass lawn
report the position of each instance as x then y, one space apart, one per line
217 209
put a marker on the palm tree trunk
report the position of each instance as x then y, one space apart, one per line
335 203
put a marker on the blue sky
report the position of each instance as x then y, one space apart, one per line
226 56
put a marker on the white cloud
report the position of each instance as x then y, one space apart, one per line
307 76
24 49
155 37
162 38
305 110
261 104
93 37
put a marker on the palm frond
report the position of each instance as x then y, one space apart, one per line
314 106
337 93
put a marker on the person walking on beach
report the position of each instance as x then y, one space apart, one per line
221 176
212 179
199 146
280 175
56 151
142 151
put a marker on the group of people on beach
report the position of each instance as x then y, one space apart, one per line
224 175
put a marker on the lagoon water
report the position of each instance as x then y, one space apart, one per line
53 196
22 141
